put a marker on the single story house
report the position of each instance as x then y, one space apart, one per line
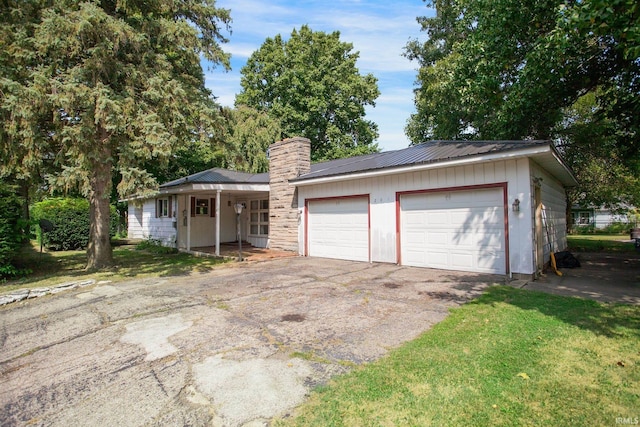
596 217
480 206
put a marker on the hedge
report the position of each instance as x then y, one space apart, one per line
11 230
70 219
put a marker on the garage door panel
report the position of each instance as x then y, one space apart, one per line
436 259
464 230
437 218
339 228
437 238
462 260
417 238
466 241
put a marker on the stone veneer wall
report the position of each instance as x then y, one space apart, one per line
288 159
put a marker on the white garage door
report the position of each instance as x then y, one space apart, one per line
339 228
454 230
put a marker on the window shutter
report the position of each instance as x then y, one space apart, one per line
170 213
193 206
157 208
212 208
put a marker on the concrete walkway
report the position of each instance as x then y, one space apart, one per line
605 277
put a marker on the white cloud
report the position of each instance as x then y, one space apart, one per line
378 29
241 50
224 86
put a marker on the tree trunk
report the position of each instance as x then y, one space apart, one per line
99 253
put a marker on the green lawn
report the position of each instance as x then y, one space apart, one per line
511 358
52 268
599 243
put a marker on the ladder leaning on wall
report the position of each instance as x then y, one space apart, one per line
552 245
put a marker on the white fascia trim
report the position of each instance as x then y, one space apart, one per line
566 169
420 167
136 197
214 187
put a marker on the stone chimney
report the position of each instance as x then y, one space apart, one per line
288 159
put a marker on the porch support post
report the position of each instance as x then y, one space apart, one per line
219 193
188 196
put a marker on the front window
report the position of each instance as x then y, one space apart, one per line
202 207
163 208
259 218
581 218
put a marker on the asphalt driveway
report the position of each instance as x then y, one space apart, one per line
233 347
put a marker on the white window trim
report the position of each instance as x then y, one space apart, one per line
259 223
163 207
199 208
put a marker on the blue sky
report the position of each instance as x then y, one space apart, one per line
378 30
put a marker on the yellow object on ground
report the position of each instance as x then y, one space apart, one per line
553 265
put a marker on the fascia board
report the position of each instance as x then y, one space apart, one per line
214 187
569 172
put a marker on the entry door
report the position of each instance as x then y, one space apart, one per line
338 228
454 230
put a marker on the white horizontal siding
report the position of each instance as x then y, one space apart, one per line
161 229
603 218
134 221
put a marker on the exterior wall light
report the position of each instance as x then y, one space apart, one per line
516 205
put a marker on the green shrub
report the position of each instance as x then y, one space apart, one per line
616 228
582 229
11 230
155 246
70 219
613 228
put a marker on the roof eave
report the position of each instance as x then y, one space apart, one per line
194 187
553 163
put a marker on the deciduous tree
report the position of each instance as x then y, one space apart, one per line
514 70
311 84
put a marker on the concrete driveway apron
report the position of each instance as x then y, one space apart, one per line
236 346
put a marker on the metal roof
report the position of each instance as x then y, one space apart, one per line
431 152
428 152
220 176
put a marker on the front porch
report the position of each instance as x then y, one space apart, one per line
249 252
203 209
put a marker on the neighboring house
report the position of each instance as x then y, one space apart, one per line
598 218
481 206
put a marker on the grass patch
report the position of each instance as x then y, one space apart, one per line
53 268
513 357
599 243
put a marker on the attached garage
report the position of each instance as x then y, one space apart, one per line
454 229
338 228
453 205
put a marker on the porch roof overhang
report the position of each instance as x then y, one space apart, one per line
214 187
233 189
